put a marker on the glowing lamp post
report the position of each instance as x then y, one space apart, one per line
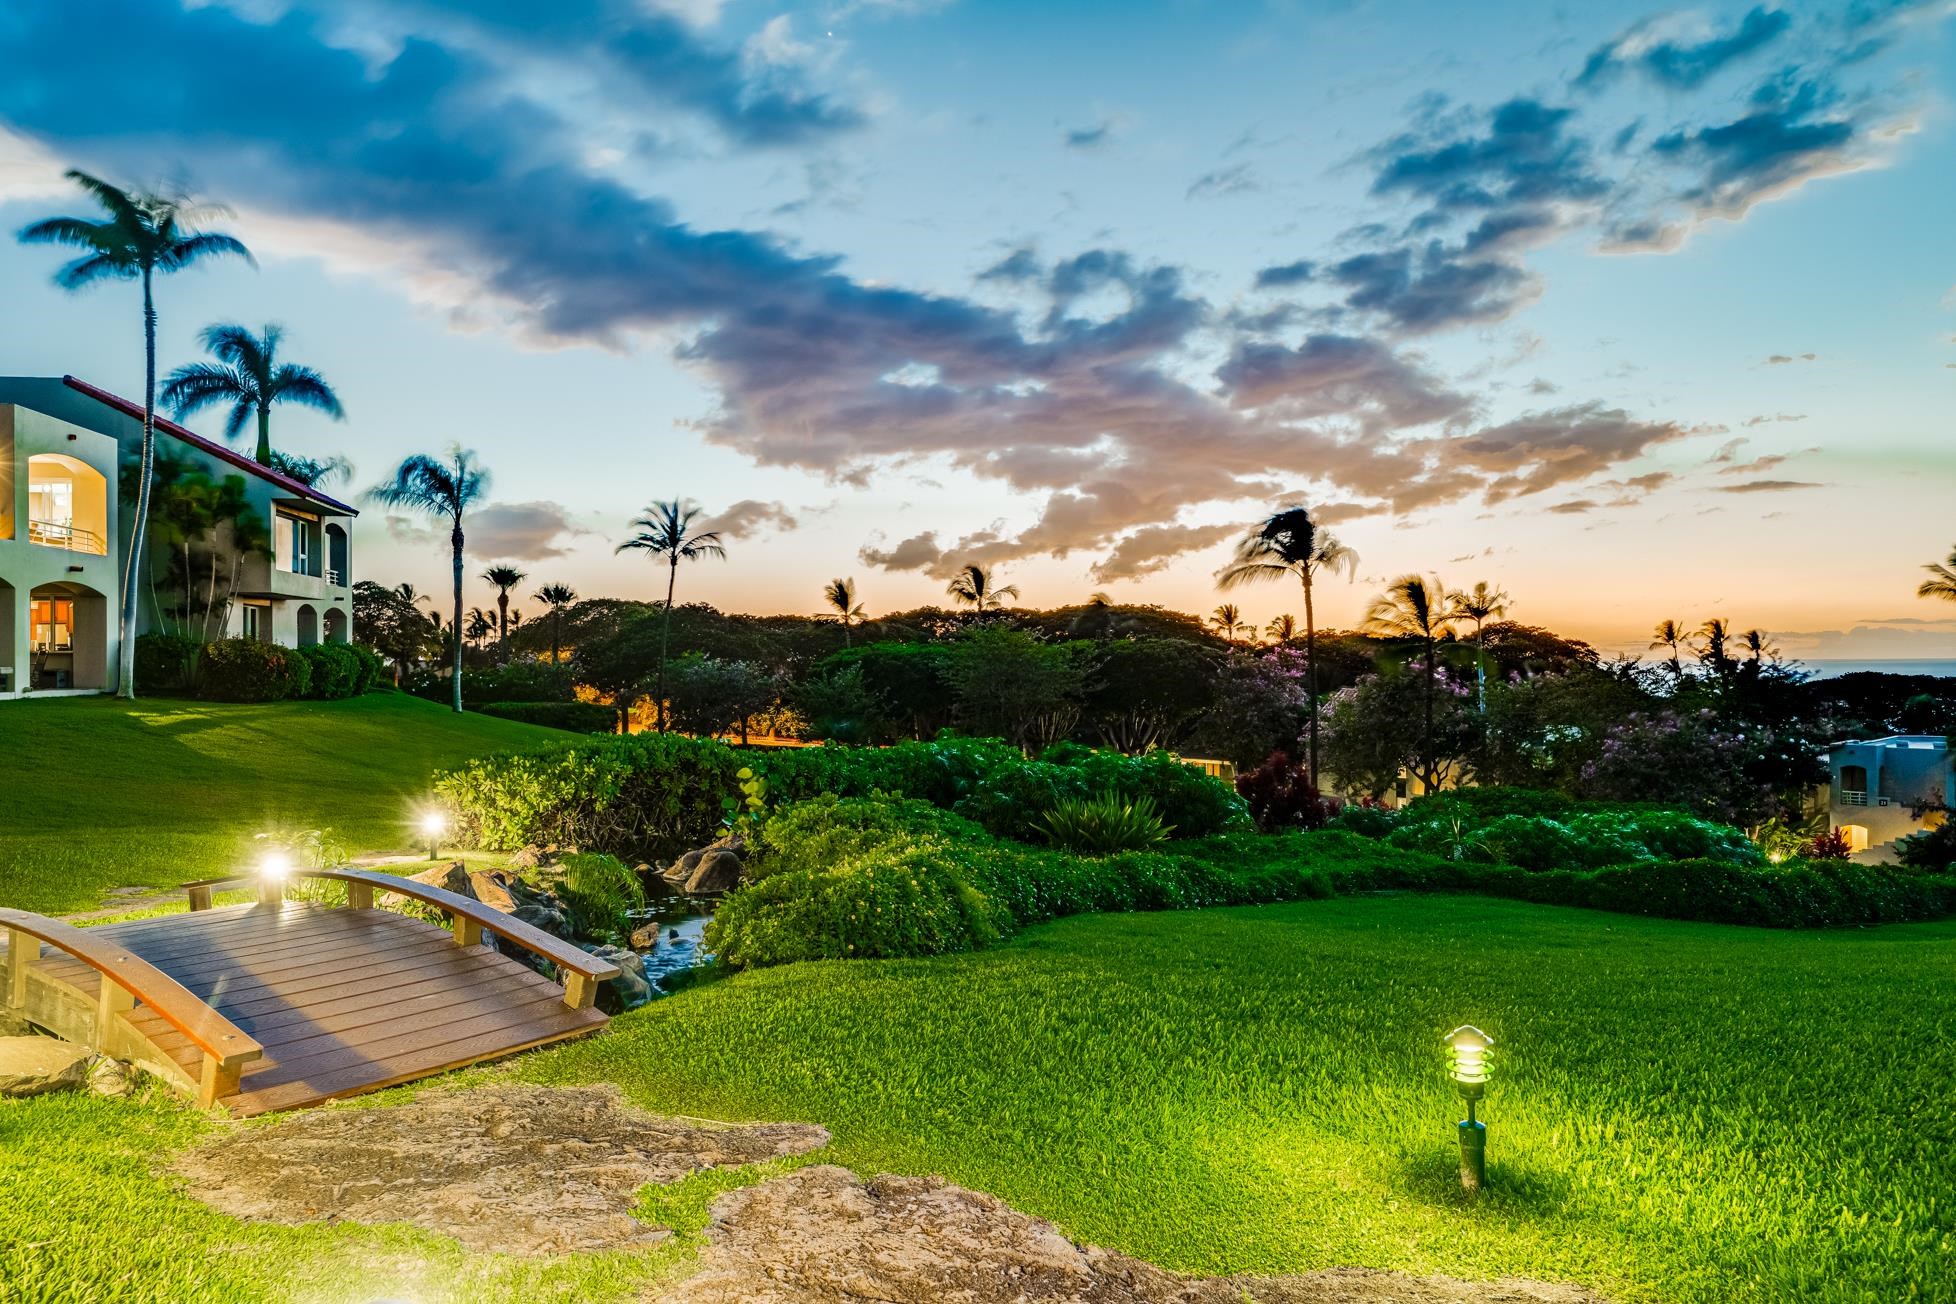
433 825
273 870
1467 1055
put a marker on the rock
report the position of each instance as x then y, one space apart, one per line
630 989
682 871
12 1025
454 876
111 1077
511 1169
535 857
30 1066
718 871
492 889
645 936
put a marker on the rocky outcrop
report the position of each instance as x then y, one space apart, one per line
631 988
711 870
514 1169
33 1066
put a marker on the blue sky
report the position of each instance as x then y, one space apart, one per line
1638 312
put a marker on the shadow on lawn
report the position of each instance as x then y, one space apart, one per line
1514 1189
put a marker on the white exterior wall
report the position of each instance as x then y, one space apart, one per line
1904 774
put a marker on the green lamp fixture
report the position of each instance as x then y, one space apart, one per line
1468 1049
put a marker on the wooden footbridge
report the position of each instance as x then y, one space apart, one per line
283 1004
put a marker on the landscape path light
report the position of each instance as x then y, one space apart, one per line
433 825
1468 1051
274 867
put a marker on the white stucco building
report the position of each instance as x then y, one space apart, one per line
65 520
1882 789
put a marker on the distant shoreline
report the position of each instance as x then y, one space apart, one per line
1832 668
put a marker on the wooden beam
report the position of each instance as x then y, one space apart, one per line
468 932
200 896
111 1000
216 1082
580 991
22 952
360 896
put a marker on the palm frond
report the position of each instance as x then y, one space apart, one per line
304 386
209 244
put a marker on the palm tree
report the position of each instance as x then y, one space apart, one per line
1282 628
841 597
444 489
504 578
1227 620
1670 634
1416 608
1478 604
1757 646
1942 581
1717 634
666 530
556 597
1290 543
973 584
144 235
480 626
248 376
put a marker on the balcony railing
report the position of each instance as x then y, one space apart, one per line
336 578
1849 798
66 534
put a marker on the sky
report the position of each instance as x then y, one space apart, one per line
1637 313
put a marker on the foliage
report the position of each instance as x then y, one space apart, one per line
746 813
1145 692
392 622
707 695
1933 849
1541 831
1726 769
1259 701
1830 845
839 704
336 670
519 681
167 663
1008 684
599 890
575 717
1280 795
1373 731
246 670
1104 823
906 683
248 378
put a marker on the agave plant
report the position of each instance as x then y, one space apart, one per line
1098 826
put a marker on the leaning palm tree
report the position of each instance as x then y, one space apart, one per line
1228 621
504 578
249 377
1290 543
143 236
666 530
556 597
443 489
973 584
1416 608
1479 604
840 594
1942 580
1672 635
1282 628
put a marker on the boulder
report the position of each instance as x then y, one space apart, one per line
535 857
111 1077
492 889
454 876
645 936
630 989
682 870
718 871
30 1066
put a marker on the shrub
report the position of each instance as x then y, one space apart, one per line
298 673
1104 824
600 890
245 670
1280 795
519 681
166 663
577 717
1933 849
335 670
368 667
1831 845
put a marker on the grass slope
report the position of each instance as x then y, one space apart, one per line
1683 1112
101 793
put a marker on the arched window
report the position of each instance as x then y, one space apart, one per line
308 626
336 625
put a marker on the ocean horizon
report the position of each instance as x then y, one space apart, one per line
1832 668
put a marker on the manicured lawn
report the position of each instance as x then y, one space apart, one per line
100 793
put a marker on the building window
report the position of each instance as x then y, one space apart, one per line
250 621
1854 785
54 624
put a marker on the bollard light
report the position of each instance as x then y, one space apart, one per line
1468 1051
274 867
433 825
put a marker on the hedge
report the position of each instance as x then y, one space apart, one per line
577 717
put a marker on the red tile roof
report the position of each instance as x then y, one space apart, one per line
203 445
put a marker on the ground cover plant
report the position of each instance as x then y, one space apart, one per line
102 793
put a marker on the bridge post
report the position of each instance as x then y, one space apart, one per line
216 1082
22 952
112 1000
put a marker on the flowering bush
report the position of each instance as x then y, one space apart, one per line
1280 795
1729 770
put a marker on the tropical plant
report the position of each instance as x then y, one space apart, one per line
974 584
144 235
1228 621
1479 604
311 470
1288 543
1104 824
479 627
1942 580
505 578
1672 635
1416 608
556 597
1757 646
250 378
1716 653
840 594
442 489
666 530
1282 628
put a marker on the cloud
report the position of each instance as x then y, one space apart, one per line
750 518
1021 265
1658 50
1785 359
1236 179
1543 449
1765 419
1153 549
1419 291
1765 462
1094 137
1768 486
1339 375
1574 507
918 552
1284 275
531 531
1526 155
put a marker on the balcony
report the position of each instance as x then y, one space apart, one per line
66 534
1853 798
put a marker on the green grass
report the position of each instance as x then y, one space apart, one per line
1684 1112
101 793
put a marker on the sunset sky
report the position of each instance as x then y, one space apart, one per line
1636 312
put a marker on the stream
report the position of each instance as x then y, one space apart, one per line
680 943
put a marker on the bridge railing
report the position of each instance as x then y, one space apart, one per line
127 978
469 919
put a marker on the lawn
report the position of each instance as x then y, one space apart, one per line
101 793
1682 1111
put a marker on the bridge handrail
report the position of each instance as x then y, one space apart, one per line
221 1040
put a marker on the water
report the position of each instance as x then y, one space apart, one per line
673 913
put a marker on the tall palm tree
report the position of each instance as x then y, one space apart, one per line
1282 628
504 578
1717 634
1228 620
1479 604
1416 608
1288 543
1670 634
442 489
556 597
248 376
841 596
144 235
1942 580
973 584
1758 645
666 530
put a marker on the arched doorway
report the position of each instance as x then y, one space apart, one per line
336 555
336 625
11 675
67 638
308 625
